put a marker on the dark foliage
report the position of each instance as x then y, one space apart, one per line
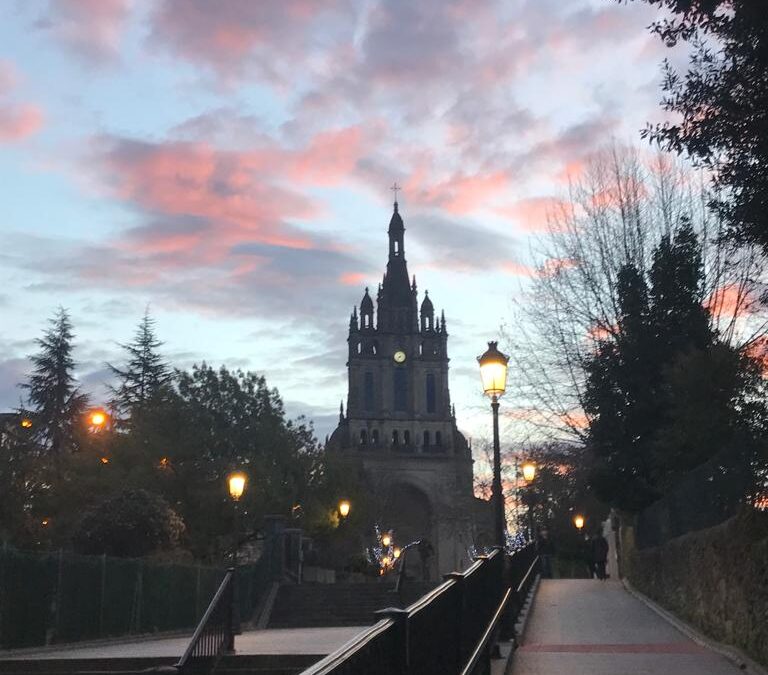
722 102
134 523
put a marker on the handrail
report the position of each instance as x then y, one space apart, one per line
358 642
485 639
215 623
524 581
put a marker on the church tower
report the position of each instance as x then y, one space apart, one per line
399 423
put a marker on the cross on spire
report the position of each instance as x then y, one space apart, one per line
394 189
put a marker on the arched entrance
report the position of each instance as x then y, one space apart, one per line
408 513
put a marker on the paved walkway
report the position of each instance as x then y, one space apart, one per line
588 627
271 641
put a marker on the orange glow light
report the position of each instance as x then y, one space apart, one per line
105 460
98 418
44 522
26 423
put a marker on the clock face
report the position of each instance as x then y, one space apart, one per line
399 356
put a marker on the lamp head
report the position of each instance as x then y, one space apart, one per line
344 507
236 481
386 539
493 370
529 472
578 521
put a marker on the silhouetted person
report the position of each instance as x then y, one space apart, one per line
546 550
425 552
599 555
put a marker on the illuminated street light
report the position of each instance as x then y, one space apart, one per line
237 481
493 373
26 423
386 539
97 418
529 472
396 553
344 507
578 521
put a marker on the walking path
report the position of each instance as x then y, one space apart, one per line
319 641
588 627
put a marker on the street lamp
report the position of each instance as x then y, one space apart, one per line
236 482
493 373
344 507
529 474
578 521
386 539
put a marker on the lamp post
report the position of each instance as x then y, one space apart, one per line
236 482
493 373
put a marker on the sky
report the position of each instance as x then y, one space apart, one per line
228 164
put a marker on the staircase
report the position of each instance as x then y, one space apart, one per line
262 664
322 605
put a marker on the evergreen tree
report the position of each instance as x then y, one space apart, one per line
56 402
146 374
720 103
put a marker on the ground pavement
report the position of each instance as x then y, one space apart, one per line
272 641
589 627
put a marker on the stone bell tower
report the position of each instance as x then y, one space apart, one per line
399 423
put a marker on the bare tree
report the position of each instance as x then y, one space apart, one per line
615 214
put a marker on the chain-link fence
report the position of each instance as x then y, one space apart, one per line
710 494
64 597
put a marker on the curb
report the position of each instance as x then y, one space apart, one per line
733 654
522 624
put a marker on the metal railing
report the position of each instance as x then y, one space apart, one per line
451 630
214 635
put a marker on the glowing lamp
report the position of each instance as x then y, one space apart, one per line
386 561
45 522
98 418
386 539
344 507
396 553
237 482
529 472
493 371
26 423
105 460
578 521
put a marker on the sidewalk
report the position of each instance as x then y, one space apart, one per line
588 627
320 641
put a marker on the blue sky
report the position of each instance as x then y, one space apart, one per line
228 165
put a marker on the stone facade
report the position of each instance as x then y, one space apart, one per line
399 422
716 579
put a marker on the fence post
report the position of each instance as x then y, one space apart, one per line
102 593
461 649
402 655
198 613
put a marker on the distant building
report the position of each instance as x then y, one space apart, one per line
399 422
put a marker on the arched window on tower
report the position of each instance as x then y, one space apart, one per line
395 437
438 439
375 436
401 390
406 437
368 402
431 406
363 437
426 439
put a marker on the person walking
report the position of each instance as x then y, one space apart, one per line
599 555
545 547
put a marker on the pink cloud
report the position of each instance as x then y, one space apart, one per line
19 121
330 157
459 194
518 269
730 302
91 28
533 214
353 278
